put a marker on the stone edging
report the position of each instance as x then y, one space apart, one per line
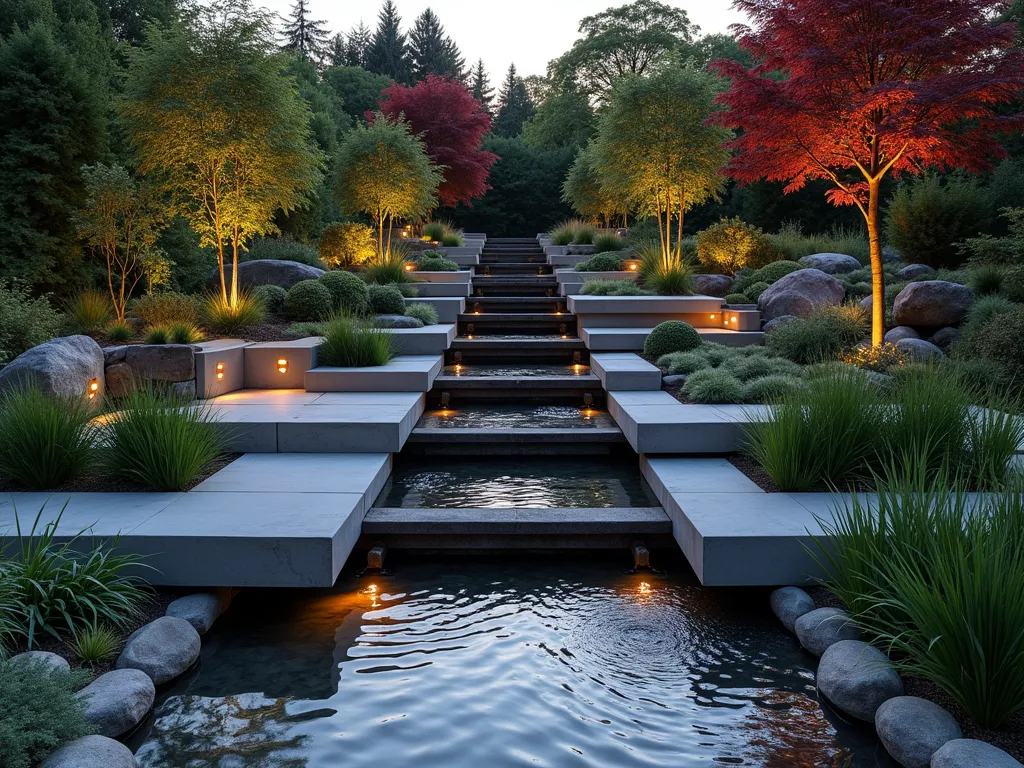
860 681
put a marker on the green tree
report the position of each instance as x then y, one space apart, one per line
431 51
128 19
583 190
563 119
388 54
384 171
357 47
514 106
304 35
120 221
480 87
51 122
676 160
358 89
209 111
632 39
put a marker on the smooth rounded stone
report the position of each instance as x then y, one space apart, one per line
857 678
120 380
789 604
712 285
915 272
45 658
933 304
919 350
113 355
778 322
800 293
162 362
899 333
945 338
92 752
265 272
824 627
832 263
868 302
912 729
397 321
64 367
163 649
117 701
674 380
969 753
200 610
890 255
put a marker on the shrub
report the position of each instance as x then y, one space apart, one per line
38 712
95 644
612 288
392 270
880 359
754 291
774 272
386 300
985 309
350 344
1001 342
926 218
986 279
601 262
25 322
348 292
161 441
120 331
425 313
717 354
347 245
685 363
221 317
713 385
770 389
436 264
271 296
166 308
47 441
737 298
824 335
731 245
182 333
746 368
89 311
279 249
584 235
605 243
158 334
308 300
672 336
435 230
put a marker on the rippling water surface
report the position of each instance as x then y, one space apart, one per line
466 664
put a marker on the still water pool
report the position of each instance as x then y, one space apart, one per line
463 663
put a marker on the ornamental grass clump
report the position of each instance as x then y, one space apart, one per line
425 313
606 243
92 645
824 335
89 311
712 386
45 441
161 441
220 316
348 343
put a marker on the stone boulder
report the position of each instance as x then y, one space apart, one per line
890 255
933 304
789 604
51 660
675 380
63 367
899 333
112 355
92 752
968 753
857 678
397 321
945 338
919 350
200 610
121 379
163 649
800 293
117 701
712 285
824 627
778 322
162 362
266 272
915 272
832 263
913 729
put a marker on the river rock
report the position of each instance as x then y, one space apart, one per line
913 729
915 272
933 304
163 649
712 285
50 660
63 367
824 627
162 362
800 293
397 321
857 678
945 338
92 752
832 263
200 610
265 272
675 380
789 604
899 333
778 322
117 701
919 350
968 753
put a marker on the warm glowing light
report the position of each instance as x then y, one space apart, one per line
220 370
458 368
565 335
409 267
282 365
372 589
588 413
712 317
645 588
405 233
94 388
577 369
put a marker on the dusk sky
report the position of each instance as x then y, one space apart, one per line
527 32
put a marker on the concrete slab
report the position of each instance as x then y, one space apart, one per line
436 290
429 340
625 371
220 367
699 476
363 429
462 276
448 308
620 339
657 423
519 522
406 373
100 514
264 368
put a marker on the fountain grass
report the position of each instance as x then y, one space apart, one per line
349 343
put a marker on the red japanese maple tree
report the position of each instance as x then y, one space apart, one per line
452 124
853 90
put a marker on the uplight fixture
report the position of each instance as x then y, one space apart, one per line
94 388
282 365
220 370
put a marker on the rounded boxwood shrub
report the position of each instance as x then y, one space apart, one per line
271 296
348 292
754 291
737 298
386 300
602 262
673 336
308 300
712 386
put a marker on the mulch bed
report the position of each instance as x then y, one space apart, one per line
269 330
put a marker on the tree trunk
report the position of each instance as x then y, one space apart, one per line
877 283
220 266
234 268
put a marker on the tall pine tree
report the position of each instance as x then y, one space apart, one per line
305 35
336 51
480 87
357 46
431 51
389 52
514 106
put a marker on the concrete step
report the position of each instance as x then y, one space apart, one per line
515 304
545 323
512 270
518 349
632 339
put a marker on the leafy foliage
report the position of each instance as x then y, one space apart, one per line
348 292
431 51
281 249
308 300
731 245
671 336
24 321
386 300
824 335
713 385
515 106
601 262
166 308
563 119
347 245
271 296
584 191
